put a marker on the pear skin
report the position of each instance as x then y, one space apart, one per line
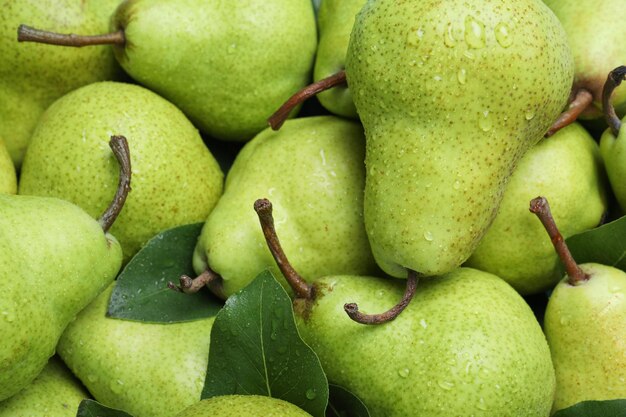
243 406
8 178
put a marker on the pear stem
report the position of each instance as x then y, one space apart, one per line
582 101
263 208
614 79
189 285
278 118
541 208
352 309
30 34
119 146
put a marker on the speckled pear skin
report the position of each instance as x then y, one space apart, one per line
32 76
54 393
8 178
451 96
595 35
54 259
227 65
567 169
176 180
145 369
243 406
335 20
584 325
312 171
613 151
467 344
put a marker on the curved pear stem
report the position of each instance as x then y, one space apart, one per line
352 309
278 118
582 101
263 208
208 278
119 146
541 208
614 79
30 34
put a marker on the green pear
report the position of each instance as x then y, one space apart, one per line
335 20
467 344
33 76
451 96
54 393
8 179
176 179
567 169
54 259
595 35
313 171
613 151
145 369
243 406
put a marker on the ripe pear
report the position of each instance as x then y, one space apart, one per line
313 171
243 406
613 151
54 259
8 179
567 169
176 178
32 76
54 393
145 369
451 95
595 36
335 20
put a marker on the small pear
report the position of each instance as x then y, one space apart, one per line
8 178
243 406
54 393
145 369
568 169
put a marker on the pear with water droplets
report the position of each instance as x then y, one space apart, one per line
451 96
243 406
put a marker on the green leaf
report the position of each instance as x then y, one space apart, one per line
605 245
91 408
613 408
256 349
343 403
141 293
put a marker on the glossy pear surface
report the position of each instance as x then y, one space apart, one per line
54 259
335 20
8 179
145 369
32 75
467 344
176 180
227 65
54 393
613 151
312 171
584 325
451 96
567 169
243 406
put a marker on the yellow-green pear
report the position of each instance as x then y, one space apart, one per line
145 369
8 178
613 150
243 406
451 96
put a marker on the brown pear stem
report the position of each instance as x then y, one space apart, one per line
190 285
614 79
263 208
119 146
30 34
541 208
582 101
279 117
352 309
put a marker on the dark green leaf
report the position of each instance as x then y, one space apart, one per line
613 408
90 408
605 245
343 403
141 292
256 349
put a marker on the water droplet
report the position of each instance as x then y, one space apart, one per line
380 293
448 37
564 320
469 54
481 404
428 236
117 386
415 36
485 122
311 394
447 385
615 289
457 184
92 378
404 372
461 75
8 316
502 35
437 78
423 323
530 114
474 33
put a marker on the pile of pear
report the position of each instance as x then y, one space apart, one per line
419 168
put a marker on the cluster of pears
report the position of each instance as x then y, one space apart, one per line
399 222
